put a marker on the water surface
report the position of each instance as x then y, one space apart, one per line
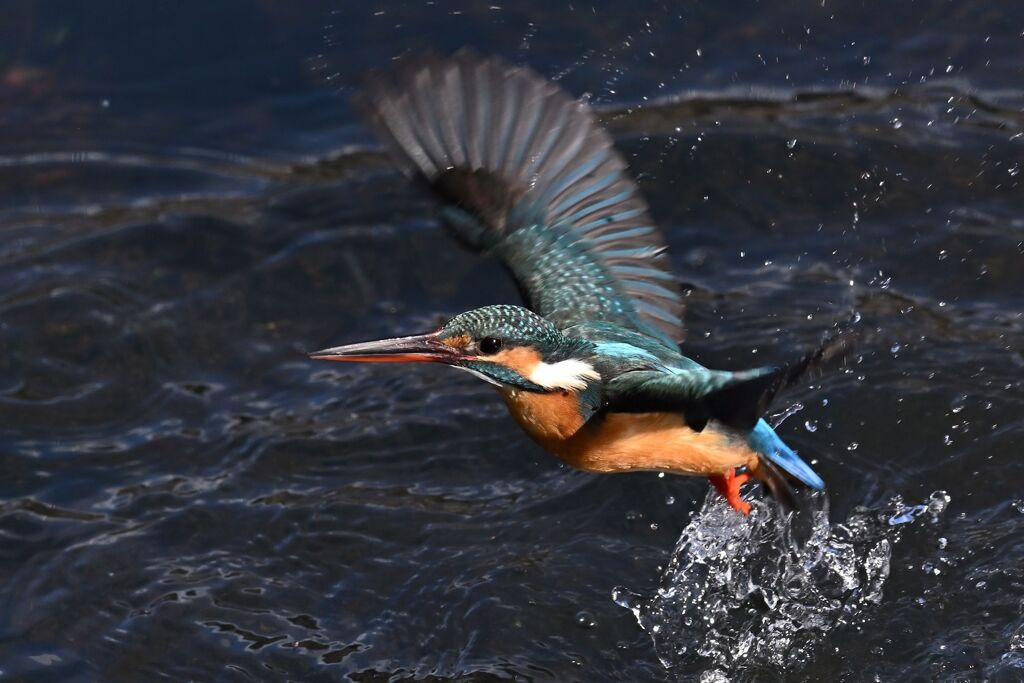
187 205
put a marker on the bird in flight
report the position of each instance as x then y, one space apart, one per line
591 369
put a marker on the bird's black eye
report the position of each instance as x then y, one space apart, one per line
490 345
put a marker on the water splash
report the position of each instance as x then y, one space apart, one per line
762 592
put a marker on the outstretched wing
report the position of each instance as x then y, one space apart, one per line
527 173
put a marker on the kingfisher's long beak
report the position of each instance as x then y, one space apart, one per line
420 348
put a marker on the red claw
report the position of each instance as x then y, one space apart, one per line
728 485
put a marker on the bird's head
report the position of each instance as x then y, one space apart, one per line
509 346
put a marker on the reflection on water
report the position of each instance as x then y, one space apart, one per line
741 594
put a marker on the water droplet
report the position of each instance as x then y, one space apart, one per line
791 143
957 404
779 418
811 425
670 500
938 502
853 446
942 543
981 584
585 619
895 348
626 598
947 439
896 123
905 515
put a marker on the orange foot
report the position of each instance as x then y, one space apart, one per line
728 485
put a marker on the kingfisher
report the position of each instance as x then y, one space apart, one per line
591 368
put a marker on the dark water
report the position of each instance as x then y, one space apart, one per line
187 205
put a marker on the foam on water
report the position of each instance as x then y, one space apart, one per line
762 592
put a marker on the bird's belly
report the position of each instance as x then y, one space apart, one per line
621 442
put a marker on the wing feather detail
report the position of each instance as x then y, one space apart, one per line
528 174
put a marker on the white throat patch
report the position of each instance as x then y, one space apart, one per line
565 374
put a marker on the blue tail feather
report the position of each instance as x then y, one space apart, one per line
765 441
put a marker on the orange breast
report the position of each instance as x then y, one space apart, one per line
550 418
621 442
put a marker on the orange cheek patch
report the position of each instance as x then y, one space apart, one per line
522 359
459 342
